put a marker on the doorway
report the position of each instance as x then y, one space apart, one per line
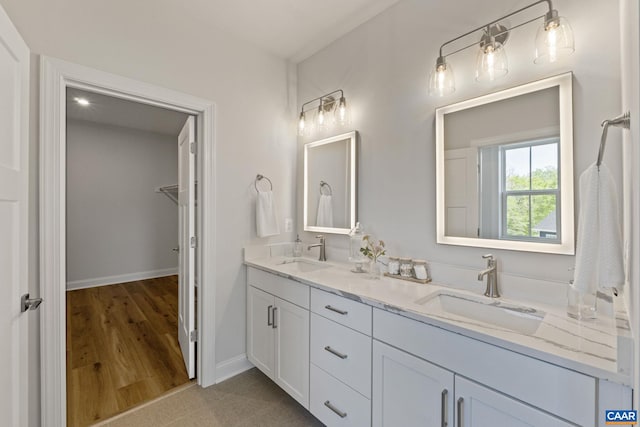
126 307
56 77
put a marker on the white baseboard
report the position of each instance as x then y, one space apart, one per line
232 367
122 278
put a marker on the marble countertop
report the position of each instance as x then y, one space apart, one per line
600 348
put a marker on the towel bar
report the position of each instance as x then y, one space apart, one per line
623 121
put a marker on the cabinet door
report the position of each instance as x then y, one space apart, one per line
408 391
260 332
292 350
479 406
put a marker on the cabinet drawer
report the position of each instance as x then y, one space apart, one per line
343 352
336 404
564 393
342 310
287 289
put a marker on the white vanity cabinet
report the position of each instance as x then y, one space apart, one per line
408 391
278 331
351 364
480 406
433 360
340 360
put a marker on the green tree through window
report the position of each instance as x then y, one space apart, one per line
530 190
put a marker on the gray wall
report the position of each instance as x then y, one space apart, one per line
383 67
116 224
533 111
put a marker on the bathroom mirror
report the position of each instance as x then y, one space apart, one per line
330 184
504 165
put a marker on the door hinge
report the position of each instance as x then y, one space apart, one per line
192 147
193 336
194 242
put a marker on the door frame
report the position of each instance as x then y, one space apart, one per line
55 76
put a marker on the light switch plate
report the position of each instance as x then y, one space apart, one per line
288 225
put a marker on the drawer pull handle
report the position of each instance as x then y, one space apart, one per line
269 321
460 402
336 310
336 352
273 315
334 409
443 407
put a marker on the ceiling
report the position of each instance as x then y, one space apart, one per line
291 29
114 111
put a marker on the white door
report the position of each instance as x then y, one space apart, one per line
408 391
260 341
478 406
291 325
461 192
187 258
14 175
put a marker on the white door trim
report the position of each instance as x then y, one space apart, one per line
55 76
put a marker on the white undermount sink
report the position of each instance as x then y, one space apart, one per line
517 318
301 265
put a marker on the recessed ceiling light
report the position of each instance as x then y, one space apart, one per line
82 101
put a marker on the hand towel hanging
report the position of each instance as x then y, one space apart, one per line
599 263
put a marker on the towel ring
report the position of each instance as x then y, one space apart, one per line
324 184
260 178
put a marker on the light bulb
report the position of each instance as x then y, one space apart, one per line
82 101
320 119
342 115
491 62
554 39
301 124
441 81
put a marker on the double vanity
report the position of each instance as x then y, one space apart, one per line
360 352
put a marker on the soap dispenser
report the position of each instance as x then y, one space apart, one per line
355 245
297 247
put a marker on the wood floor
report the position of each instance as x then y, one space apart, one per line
122 347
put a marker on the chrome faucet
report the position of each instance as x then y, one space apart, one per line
492 276
322 246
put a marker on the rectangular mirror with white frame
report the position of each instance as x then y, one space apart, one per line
504 165
330 184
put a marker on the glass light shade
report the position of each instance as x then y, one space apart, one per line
491 62
441 81
321 117
342 114
554 40
301 125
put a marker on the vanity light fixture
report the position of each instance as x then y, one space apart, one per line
327 104
554 40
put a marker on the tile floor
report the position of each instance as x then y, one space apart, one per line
248 399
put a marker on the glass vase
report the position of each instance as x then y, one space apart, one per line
375 271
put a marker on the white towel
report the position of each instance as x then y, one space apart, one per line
266 216
599 248
325 211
